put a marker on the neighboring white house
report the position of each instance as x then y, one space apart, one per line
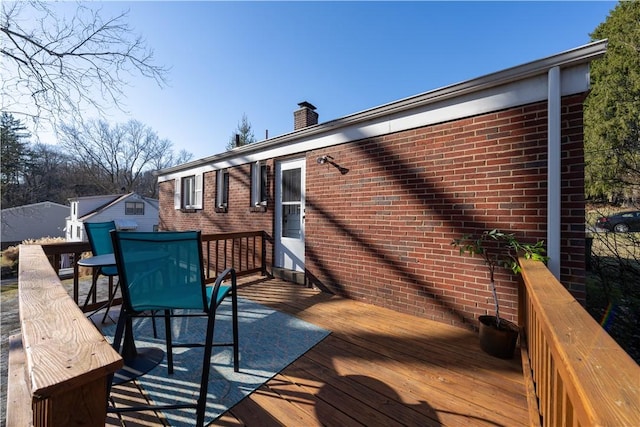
44 219
129 211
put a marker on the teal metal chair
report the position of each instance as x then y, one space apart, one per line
163 271
100 242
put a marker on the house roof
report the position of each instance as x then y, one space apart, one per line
487 90
33 221
35 205
118 199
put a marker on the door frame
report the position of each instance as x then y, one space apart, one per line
289 252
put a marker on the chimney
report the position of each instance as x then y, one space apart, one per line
304 117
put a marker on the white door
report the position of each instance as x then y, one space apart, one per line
289 226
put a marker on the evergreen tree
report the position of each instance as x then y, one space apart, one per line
16 156
244 134
612 109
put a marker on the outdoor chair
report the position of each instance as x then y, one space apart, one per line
100 242
163 271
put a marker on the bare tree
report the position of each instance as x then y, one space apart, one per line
50 176
52 68
117 158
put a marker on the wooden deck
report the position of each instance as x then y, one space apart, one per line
376 368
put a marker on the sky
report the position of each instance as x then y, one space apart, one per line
261 59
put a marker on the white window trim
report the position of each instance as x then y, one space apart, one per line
177 194
198 191
256 184
178 197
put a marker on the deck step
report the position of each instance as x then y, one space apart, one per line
289 275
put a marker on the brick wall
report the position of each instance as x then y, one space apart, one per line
382 231
239 217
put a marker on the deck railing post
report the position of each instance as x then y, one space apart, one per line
264 253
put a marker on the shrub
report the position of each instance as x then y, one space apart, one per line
12 253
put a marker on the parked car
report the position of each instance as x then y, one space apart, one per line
621 222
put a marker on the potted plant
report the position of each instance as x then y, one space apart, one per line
498 336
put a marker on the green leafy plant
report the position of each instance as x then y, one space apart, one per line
499 249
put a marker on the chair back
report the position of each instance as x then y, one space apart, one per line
160 270
100 242
99 238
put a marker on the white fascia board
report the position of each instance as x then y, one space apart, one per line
533 89
505 89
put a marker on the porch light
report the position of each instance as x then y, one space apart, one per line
322 160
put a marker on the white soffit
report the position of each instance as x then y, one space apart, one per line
506 89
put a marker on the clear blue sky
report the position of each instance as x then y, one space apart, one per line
263 58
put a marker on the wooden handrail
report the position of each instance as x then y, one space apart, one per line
582 376
67 361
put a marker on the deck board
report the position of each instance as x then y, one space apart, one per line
376 368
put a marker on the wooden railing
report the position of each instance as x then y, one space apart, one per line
580 375
246 252
60 363
73 250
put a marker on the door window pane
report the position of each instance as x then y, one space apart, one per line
291 185
291 221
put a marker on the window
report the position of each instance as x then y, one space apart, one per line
133 208
258 184
222 193
188 192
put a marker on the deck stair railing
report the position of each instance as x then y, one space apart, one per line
580 376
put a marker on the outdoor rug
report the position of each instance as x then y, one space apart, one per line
268 340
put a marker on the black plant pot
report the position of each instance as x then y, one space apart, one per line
498 341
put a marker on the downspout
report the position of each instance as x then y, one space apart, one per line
554 184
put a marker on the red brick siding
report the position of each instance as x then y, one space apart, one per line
381 232
239 216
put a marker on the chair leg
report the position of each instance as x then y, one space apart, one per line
234 319
153 323
206 367
117 342
167 331
92 290
106 313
